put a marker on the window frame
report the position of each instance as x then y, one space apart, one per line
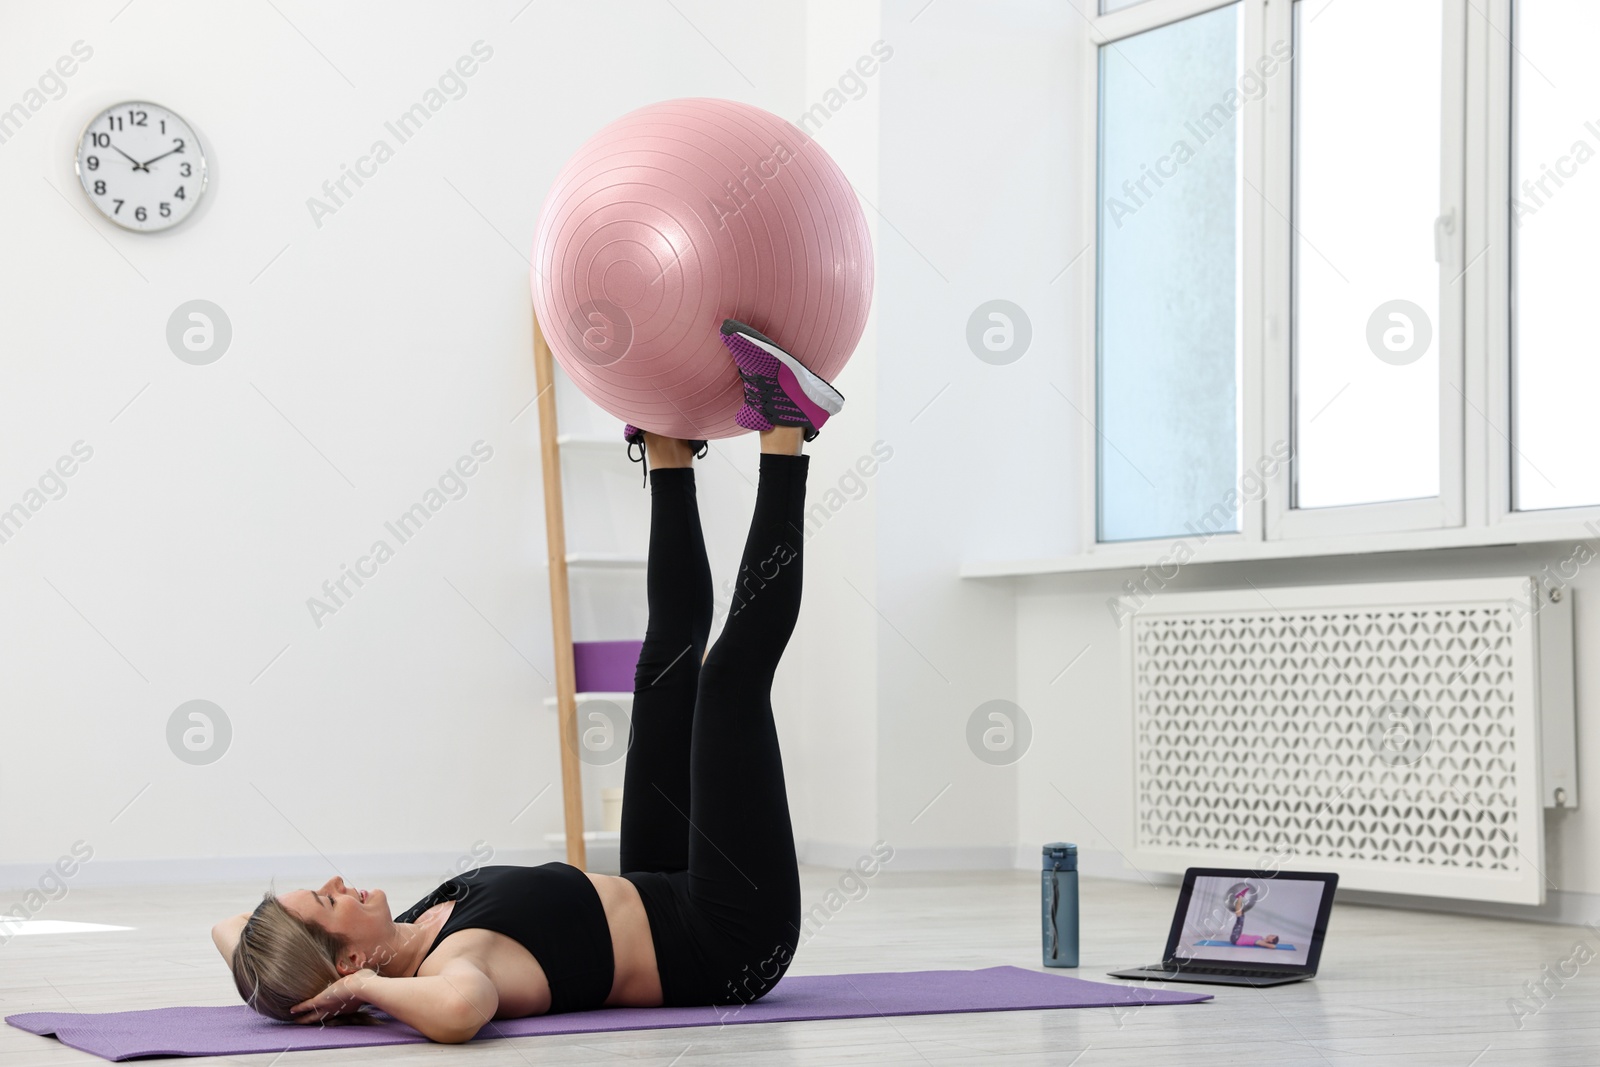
1475 506
1281 158
1105 31
1500 337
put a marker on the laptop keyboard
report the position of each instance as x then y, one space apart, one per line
1237 972
1240 971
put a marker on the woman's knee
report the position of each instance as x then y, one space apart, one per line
668 659
739 663
760 973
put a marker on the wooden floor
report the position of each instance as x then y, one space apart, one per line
1396 987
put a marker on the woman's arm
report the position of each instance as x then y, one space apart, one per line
449 1007
225 935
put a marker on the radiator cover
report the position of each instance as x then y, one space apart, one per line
1390 732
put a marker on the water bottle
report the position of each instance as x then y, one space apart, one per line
1059 883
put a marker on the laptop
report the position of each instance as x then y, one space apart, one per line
1235 927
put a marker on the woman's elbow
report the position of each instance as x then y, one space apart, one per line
461 1027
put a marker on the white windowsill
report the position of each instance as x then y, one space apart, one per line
1235 548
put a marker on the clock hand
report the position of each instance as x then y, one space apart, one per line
163 155
136 164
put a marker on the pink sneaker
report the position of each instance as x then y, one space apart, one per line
779 390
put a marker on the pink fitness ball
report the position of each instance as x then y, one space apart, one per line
680 215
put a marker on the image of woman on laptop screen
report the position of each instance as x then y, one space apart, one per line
1234 919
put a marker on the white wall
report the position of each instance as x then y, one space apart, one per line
368 354
976 147
416 687
825 694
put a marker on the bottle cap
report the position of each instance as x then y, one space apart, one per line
1059 855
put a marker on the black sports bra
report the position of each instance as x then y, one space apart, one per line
552 910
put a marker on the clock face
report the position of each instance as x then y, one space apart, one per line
141 166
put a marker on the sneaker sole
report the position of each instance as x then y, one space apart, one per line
827 399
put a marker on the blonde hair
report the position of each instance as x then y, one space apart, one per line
282 960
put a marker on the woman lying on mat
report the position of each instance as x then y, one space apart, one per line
1252 941
707 909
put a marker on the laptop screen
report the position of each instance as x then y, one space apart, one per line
1247 919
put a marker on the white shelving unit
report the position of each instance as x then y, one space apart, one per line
622 700
606 560
575 440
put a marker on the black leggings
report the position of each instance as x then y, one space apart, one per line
705 818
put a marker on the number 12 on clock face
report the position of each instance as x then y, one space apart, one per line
141 166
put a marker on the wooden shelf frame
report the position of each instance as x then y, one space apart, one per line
560 601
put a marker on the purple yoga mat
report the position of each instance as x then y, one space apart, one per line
236 1030
605 666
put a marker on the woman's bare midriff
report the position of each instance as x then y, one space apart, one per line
520 981
637 983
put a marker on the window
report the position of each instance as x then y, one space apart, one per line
1555 228
1366 279
1342 245
1168 449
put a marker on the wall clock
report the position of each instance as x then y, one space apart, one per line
141 166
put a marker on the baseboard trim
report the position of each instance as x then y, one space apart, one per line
1561 907
18 878
908 858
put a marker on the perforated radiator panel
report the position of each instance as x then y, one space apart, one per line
1387 732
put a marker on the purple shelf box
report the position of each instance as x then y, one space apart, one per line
605 666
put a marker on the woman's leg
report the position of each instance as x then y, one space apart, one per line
656 792
743 877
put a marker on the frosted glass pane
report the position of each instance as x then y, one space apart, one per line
1366 325
1555 228
1168 280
